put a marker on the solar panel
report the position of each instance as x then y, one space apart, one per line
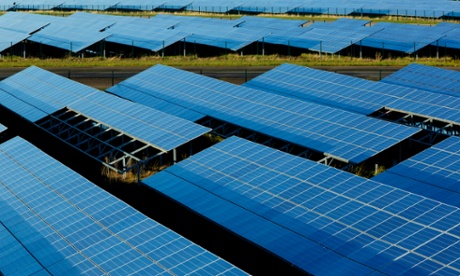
401 37
38 5
10 38
143 5
162 130
67 38
427 78
25 22
354 94
145 35
433 173
270 23
55 222
89 5
35 93
213 6
2 128
341 134
312 215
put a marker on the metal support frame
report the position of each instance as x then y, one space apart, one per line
99 141
225 130
431 124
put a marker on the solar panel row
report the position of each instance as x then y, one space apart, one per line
320 219
83 30
338 133
408 8
354 94
41 93
427 78
433 173
55 222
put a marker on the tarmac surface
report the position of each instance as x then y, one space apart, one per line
104 77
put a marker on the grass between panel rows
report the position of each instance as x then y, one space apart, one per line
225 60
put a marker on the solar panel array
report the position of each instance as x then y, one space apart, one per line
320 219
2 128
42 93
404 38
430 9
10 38
324 37
338 133
25 22
433 173
81 30
354 94
55 222
427 78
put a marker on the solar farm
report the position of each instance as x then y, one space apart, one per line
84 34
297 171
283 181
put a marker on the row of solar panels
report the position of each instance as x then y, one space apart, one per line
431 9
81 30
306 213
322 220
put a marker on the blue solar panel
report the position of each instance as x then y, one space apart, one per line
401 37
433 173
67 38
335 132
35 93
2 128
89 5
143 5
354 94
145 35
314 216
329 39
427 78
55 222
162 130
10 38
25 22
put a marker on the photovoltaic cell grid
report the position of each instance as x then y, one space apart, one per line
451 37
25 22
342 134
404 38
354 94
330 37
427 78
144 36
10 38
430 9
321 219
67 38
53 221
433 173
35 93
2 128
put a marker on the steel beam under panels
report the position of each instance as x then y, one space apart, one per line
227 130
430 124
114 149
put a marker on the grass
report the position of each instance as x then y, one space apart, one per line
224 60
